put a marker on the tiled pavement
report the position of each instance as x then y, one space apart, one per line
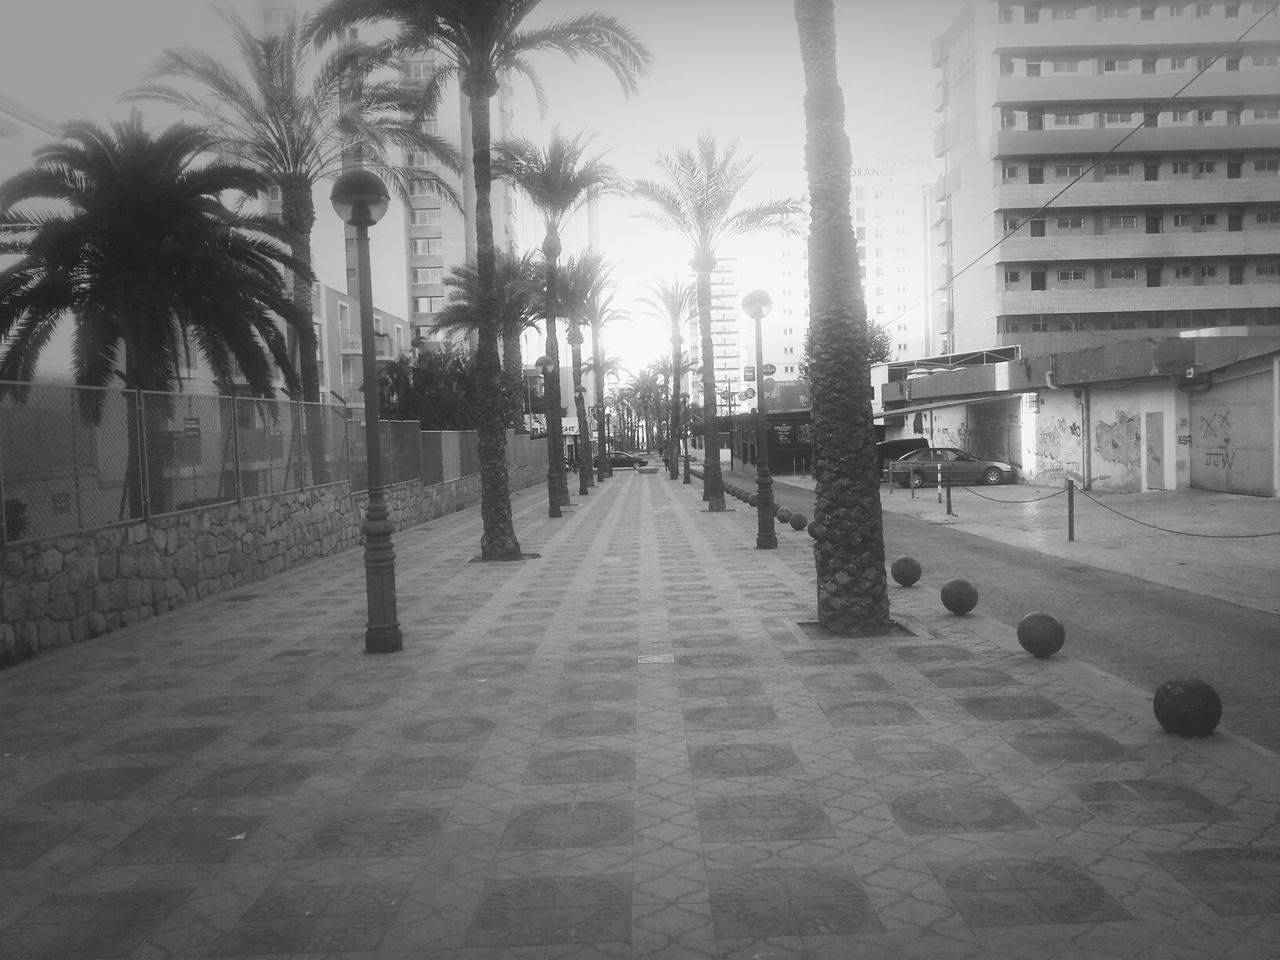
631 747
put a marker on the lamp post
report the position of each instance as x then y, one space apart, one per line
361 199
756 305
547 367
684 431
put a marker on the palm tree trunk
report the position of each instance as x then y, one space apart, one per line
298 213
676 360
557 481
513 371
849 548
712 481
580 409
498 537
598 381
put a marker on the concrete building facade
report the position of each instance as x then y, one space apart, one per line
1111 171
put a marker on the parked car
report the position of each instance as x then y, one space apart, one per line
888 450
920 467
619 459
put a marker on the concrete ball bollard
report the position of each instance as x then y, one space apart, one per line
754 499
959 596
1041 634
906 570
1187 706
799 521
783 515
815 530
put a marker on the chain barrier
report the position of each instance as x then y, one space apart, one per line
1184 533
1047 496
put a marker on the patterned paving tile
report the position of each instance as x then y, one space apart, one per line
301 736
23 842
580 766
713 661
455 729
185 840
870 713
106 783
592 722
932 652
762 816
743 760
381 833
737 714
415 773
89 926
797 902
1069 746
1011 707
582 823
840 682
1231 881
181 740
552 910
957 810
1015 892
709 687
580 690
822 656
907 754
291 918
955 677
251 780
1136 802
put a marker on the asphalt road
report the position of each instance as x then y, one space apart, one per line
1144 632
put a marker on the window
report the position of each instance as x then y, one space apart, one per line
1123 273
1208 219
1010 224
1006 13
1231 11
1035 174
1181 166
1070 276
1204 9
425 217
1037 228
424 188
1006 67
1068 119
1266 113
1202 63
1177 63
427 274
1069 169
1268 216
1175 10
1063 13
1148 13
1071 223
1118 169
1114 66
1037 279
1205 166
420 70
1009 172
1031 13
1123 222
1182 273
429 125
1118 116
1115 13
1012 276
1148 66
1179 116
1233 65
1267 270
1267 60
415 158
1182 220
1008 119
1065 66
1208 273
1033 68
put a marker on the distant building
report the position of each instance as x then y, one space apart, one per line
1111 171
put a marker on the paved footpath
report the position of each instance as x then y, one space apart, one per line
631 747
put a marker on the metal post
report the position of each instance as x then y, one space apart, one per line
1071 510
949 513
766 538
382 633
939 482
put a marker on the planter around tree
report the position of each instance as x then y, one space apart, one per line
906 570
1041 634
1187 706
799 521
959 596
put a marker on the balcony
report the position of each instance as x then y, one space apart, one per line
350 343
1136 193
1148 140
1131 87
1181 243
1180 296
1086 36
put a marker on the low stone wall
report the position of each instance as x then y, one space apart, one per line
68 589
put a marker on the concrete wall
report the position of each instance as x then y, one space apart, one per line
67 589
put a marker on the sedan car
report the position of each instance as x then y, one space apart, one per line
619 459
920 467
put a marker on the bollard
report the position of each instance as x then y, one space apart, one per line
1071 510
949 512
939 482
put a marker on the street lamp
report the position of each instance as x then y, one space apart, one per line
361 199
684 430
756 305
547 367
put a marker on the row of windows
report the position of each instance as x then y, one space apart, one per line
426 246
1150 222
427 274
1100 66
428 304
1232 168
1037 13
1146 320
1126 119
1233 273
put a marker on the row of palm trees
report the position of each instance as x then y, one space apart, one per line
140 235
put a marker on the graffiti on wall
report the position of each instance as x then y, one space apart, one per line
1118 442
1216 429
1057 450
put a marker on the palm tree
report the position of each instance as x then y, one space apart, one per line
478 40
601 312
298 126
697 202
674 300
517 299
849 546
646 391
558 180
124 234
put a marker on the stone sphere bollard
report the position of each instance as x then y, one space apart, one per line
906 570
783 515
1187 706
1041 634
754 499
959 596
815 530
799 521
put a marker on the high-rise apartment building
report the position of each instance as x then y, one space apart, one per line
1111 171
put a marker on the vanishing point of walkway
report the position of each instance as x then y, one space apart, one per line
632 747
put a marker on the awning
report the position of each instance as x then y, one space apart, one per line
939 404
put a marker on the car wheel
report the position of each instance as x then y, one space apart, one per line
917 478
992 475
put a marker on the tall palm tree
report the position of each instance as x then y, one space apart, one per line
849 547
478 40
299 124
558 180
601 312
674 300
697 201
124 234
646 391
517 300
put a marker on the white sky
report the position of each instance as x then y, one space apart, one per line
729 67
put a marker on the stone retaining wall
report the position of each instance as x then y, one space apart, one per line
67 589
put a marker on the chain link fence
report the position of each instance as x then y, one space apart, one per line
79 458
